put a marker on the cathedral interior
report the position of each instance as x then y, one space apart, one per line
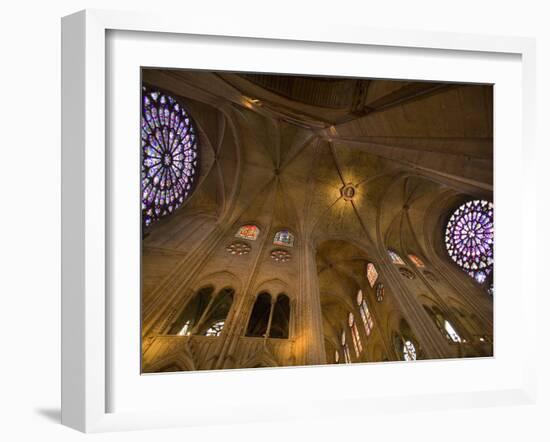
293 220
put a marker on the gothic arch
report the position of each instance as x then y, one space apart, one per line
273 286
181 357
219 280
426 299
262 359
394 320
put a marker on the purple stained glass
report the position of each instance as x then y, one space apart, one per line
469 238
169 155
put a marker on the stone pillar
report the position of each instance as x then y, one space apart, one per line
236 327
309 345
433 344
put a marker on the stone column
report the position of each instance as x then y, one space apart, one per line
236 327
434 345
309 345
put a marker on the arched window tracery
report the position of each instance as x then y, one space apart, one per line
409 350
284 238
215 329
259 318
406 273
380 292
269 319
216 314
372 274
451 332
368 323
416 261
445 327
345 348
248 231
395 258
280 322
469 238
192 312
170 155
357 345
202 312
186 329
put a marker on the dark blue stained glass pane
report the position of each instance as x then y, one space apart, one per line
284 238
469 238
169 155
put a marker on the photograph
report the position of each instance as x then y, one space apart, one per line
297 220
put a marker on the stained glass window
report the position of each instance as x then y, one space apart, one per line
170 155
248 231
379 292
215 329
480 277
372 274
345 347
453 335
186 329
357 345
284 238
347 354
409 351
238 248
355 333
280 255
365 313
469 238
416 261
395 258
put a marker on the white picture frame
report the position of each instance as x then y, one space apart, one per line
88 345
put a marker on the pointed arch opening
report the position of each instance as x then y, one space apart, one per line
205 314
259 318
444 326
192 312
405 344
214 320
280 322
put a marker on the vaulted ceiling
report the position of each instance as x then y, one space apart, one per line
373 162
283 147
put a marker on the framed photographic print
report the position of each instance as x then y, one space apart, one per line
287 219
